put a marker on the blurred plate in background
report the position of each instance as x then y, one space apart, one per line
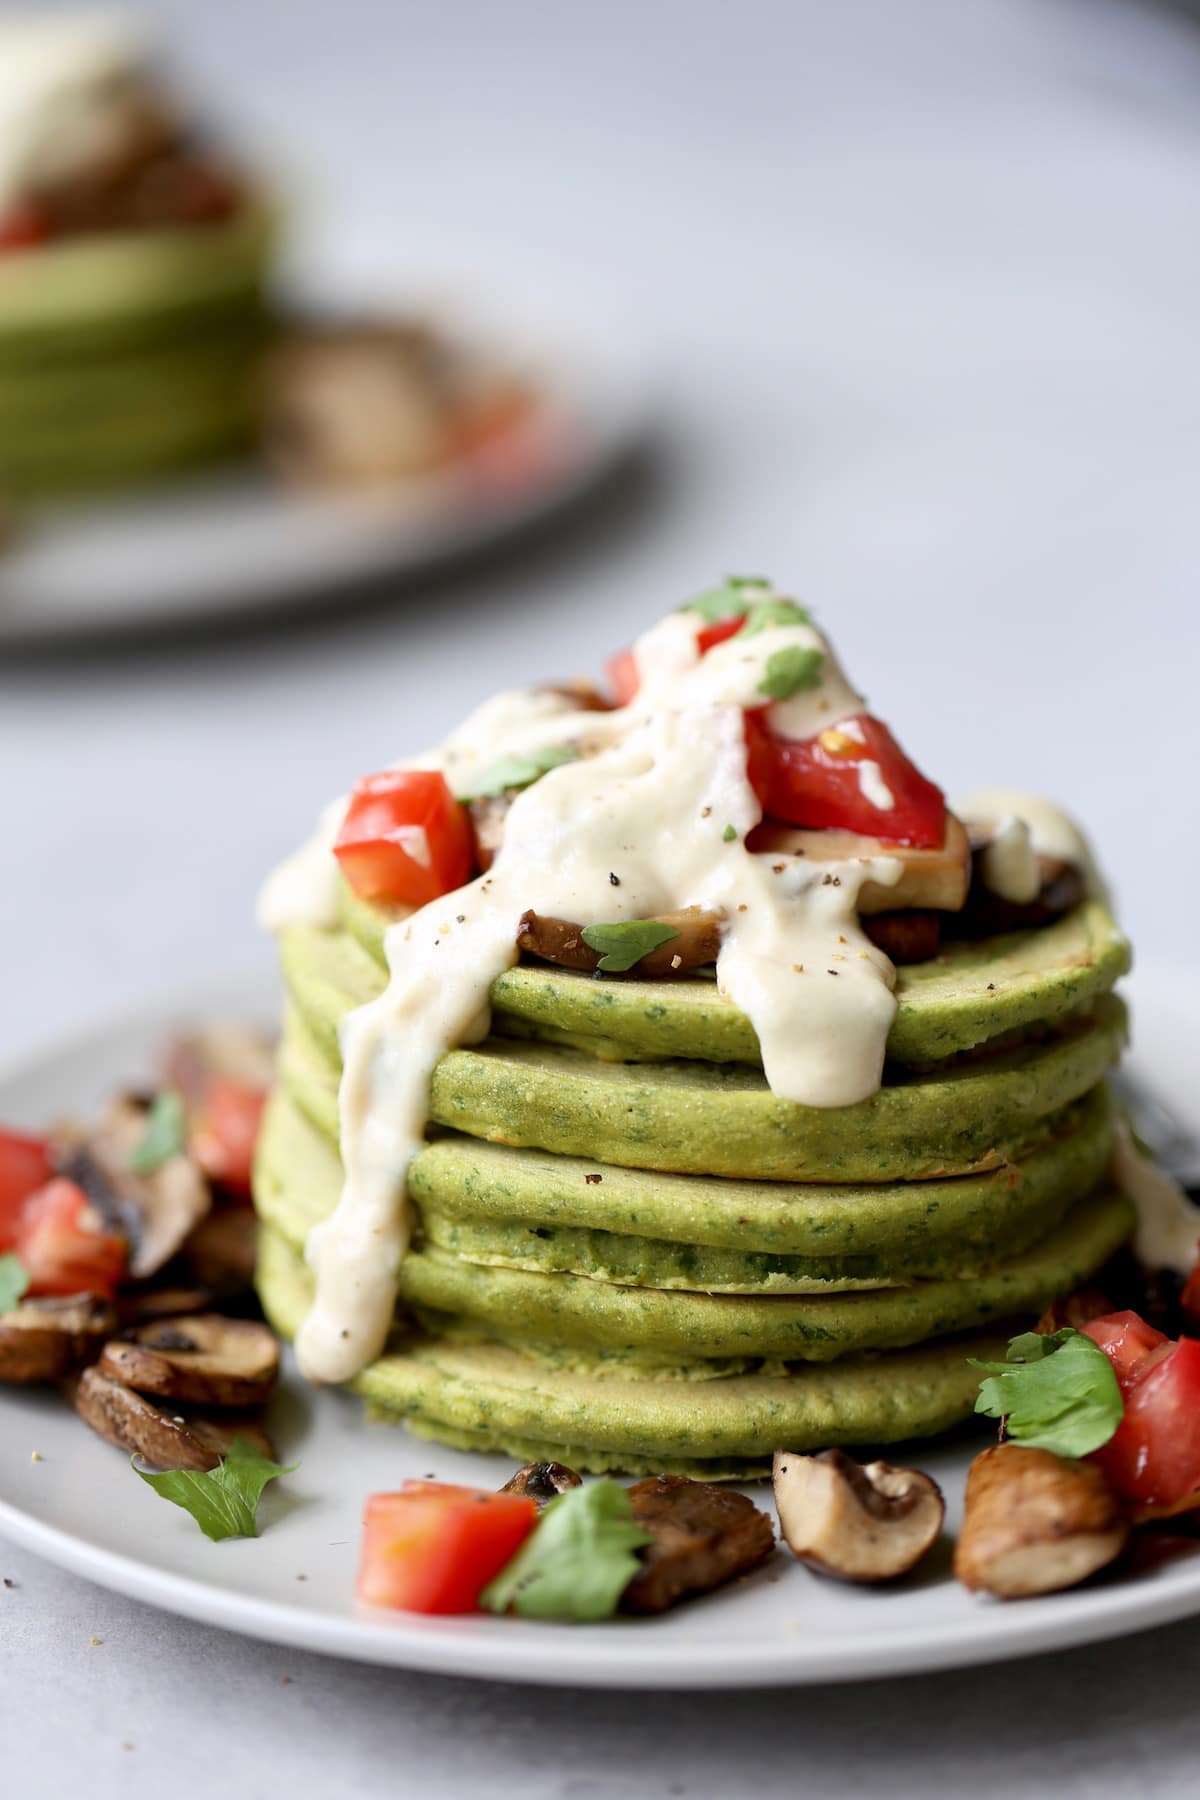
235 542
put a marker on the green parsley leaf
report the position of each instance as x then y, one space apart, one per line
1057 1392
164 1137
14 1279
520 771
625 943
775 612
729 601
791 669
729 833
223 1501
577 1562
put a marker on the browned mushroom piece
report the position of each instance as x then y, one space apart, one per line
156 1211
861 1522
906 937
1061 887
142 1306
1035 1523
45 1339
696 943
702 1536
161 1437
937 879
542 1481
203 1359
220 1252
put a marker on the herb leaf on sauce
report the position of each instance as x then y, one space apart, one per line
520 771
775 612
578 1561
626 942
164 1136
1057 1392
223 1501
791 669
732 600
14 1279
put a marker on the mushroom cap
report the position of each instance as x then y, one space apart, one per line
863 1523
45 1339
202 1358
161 1438
156 1211
1035 1523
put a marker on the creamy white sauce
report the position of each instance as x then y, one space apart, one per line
873 787
652 817
67 84
1168 1223
1052 831
1008 865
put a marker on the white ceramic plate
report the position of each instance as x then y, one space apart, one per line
81 1506
233 542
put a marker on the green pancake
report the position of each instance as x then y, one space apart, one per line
697 1117
489 1396
124 356
531 1210
968 995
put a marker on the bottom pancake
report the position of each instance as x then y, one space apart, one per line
600 1414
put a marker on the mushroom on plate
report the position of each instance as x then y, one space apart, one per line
863 1523
162 1438
157 1210
542 1481
45 1339
1035 1523
202 1359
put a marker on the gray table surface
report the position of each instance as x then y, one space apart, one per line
918 287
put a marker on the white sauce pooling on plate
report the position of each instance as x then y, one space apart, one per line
651 801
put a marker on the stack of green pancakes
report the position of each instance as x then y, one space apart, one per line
126 356
629 1254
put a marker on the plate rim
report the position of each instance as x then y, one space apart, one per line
628 1655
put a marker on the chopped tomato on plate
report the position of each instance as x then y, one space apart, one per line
1153 1459
64 1244
820 782
225 1130
24 1167
405 838
433 1547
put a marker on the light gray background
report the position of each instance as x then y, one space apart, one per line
918 284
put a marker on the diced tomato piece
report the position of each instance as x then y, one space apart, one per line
623 677
64 1244
1153 1459
405 838
818 782
712 635
225 1131
23 227
24 1167
433 1547
1126 1340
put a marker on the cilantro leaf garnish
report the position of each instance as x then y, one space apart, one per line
732 600
775 612
625 943
729 833
791 669
223 1501
577 1562
14 1279
164 1136
1056 1392
520 771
